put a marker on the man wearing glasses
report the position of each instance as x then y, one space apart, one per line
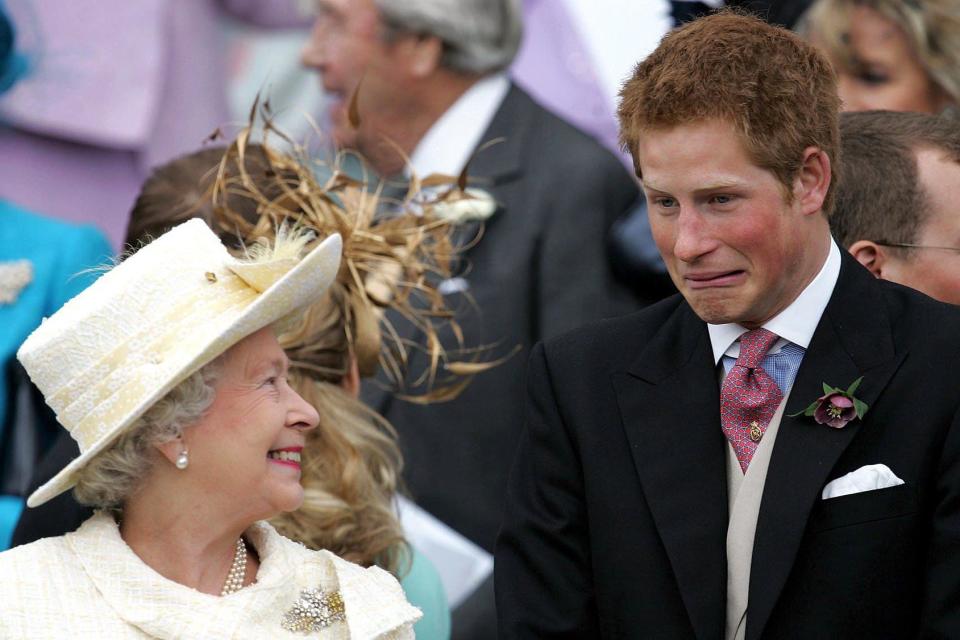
898 198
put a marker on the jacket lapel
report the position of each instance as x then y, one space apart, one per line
670 406
496 164
373 599
498 158
853 339
497 161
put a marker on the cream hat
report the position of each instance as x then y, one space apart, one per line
149 323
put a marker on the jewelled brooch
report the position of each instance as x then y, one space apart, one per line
316 609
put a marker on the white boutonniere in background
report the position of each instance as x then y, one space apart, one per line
14 276
469 205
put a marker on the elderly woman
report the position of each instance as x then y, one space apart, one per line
168 374
896 55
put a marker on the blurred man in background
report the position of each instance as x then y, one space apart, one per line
898 200
428 84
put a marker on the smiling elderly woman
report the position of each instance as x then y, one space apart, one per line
168 374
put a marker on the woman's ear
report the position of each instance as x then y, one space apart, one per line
351 379
172 449
869 254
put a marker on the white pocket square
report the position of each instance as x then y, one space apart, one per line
868 478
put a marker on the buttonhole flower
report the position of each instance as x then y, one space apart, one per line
836 407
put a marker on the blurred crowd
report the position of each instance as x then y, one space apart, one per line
114 118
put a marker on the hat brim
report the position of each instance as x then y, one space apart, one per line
302 285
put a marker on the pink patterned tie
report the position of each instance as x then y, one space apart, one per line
749 397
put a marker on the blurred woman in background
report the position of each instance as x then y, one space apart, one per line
896 55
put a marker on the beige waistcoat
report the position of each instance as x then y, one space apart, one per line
744 492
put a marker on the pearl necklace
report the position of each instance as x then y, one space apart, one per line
238 570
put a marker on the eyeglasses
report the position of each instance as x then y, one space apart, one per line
909 245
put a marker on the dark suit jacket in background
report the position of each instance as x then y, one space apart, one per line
616 515
539 269
60 515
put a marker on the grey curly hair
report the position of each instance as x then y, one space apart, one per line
110 478
479 36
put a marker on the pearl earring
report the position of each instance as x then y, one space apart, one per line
182 460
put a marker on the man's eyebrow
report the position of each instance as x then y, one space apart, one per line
719 184
710 186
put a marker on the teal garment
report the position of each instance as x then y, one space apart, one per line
424 590
61 255
10 509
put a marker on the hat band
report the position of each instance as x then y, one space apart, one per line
117 397
150 343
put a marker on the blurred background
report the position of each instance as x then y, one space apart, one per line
113 88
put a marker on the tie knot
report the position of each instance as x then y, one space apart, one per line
753 346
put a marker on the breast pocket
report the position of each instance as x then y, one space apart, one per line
864 507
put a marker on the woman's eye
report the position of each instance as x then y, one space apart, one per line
873 77
271 381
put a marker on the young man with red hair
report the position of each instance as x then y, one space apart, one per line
775 451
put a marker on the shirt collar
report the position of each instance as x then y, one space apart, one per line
794 324
447 145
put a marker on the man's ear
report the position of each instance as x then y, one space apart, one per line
869 254
813 182
422 54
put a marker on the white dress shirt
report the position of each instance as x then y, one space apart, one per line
794 324
447 145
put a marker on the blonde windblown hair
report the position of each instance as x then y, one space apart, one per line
352 463
931 26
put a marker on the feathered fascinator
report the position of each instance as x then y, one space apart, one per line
394 261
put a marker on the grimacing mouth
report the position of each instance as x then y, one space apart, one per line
711 276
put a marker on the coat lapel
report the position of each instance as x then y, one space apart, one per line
670 406
853 339
496 163
498 158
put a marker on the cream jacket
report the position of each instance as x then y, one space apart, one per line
90 584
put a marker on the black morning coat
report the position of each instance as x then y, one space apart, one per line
616 514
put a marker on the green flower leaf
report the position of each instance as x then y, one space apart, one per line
827 389
860 407
853 388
